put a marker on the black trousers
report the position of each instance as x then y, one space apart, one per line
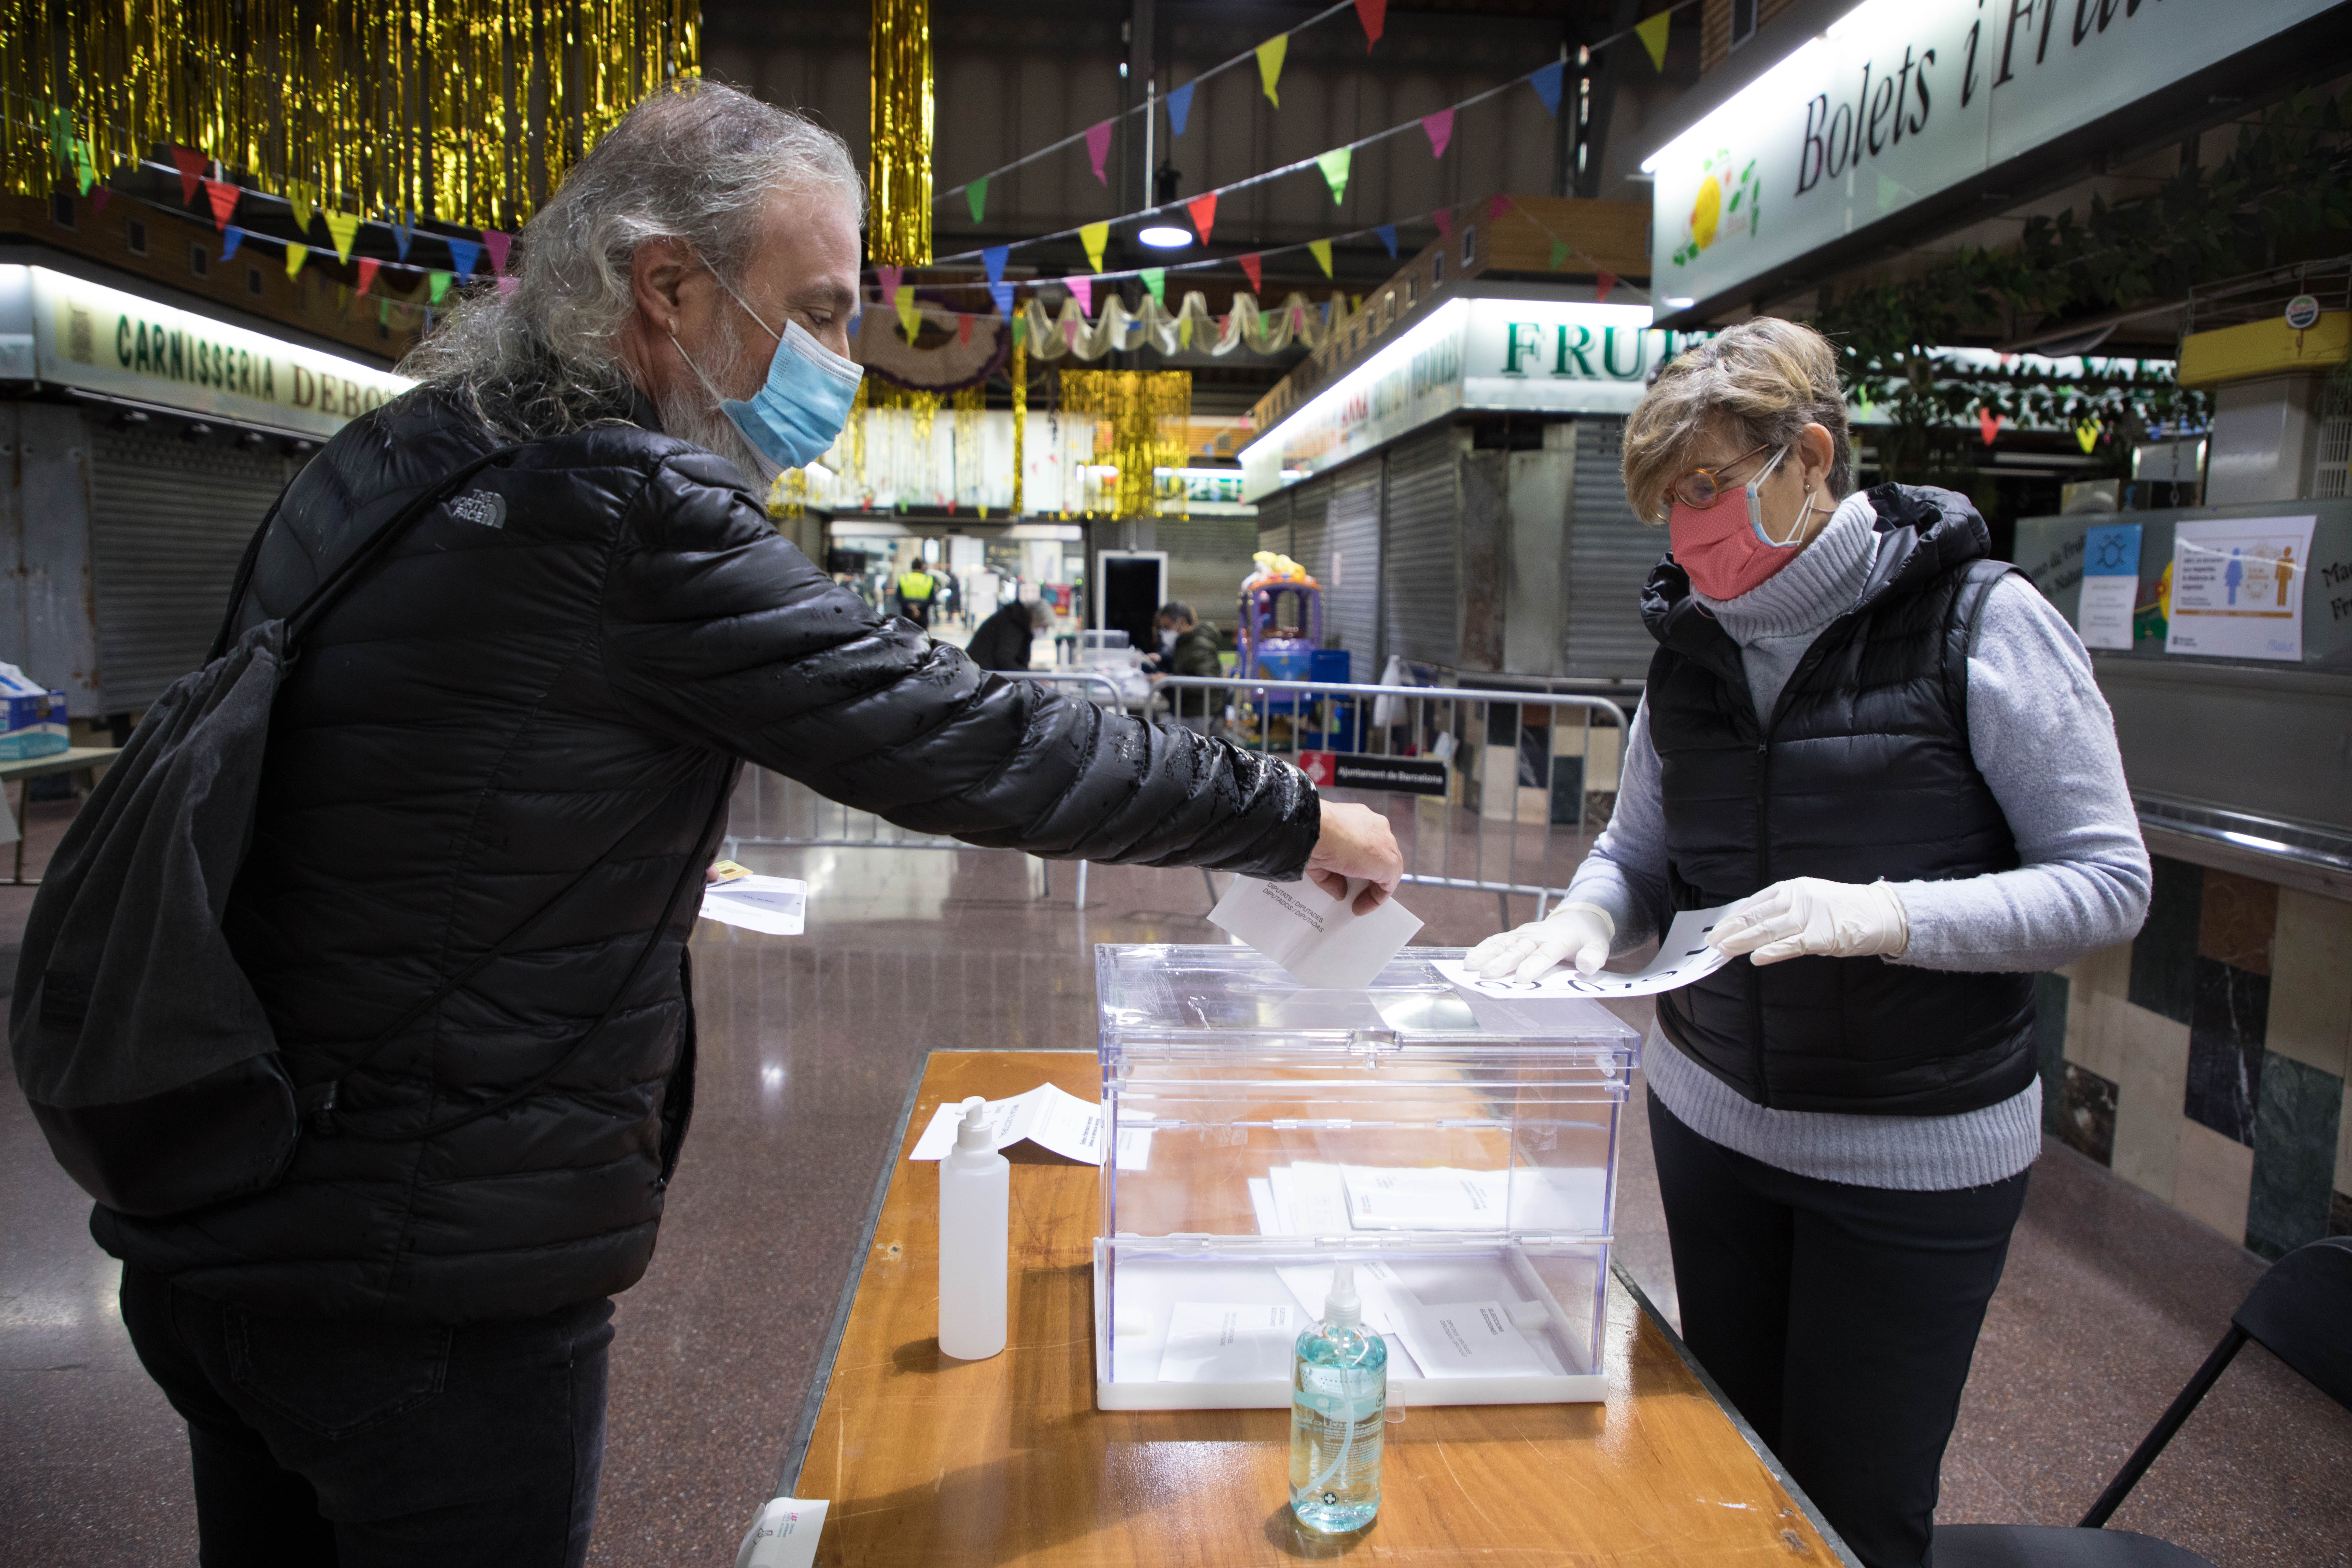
372 1445
1839 1319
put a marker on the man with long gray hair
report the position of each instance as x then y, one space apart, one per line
495 779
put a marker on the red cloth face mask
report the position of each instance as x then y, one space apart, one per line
1723 546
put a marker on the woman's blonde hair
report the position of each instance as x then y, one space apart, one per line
1762 382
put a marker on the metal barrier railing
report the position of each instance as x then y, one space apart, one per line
1471 757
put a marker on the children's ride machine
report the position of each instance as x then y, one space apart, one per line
1279 631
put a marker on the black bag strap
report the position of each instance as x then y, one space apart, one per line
346 574
320 1099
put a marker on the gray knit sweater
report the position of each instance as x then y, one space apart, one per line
2040 733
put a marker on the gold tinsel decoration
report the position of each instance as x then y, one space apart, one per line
466 112
1019 374
1144 413
968 405
900 227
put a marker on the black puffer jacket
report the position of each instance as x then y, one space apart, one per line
555 673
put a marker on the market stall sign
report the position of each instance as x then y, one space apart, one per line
1366 769
106 340
1533 355
1904 98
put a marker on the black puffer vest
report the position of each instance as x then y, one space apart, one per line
1861 773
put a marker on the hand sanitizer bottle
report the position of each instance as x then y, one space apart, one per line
1339 1402
975 1234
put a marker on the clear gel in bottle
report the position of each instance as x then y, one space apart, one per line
1339 1404
975 1234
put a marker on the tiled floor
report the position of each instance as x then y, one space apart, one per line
809 1045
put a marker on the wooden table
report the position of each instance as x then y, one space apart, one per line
931 1462
71 760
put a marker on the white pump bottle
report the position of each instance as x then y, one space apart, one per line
975 1237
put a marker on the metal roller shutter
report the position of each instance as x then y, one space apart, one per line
1207 559
1273 523
1352 587
1420 592
169 519
1609 557
1310 538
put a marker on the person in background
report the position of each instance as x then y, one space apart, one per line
915 588
1887 756
1186 647
503 766
1003 640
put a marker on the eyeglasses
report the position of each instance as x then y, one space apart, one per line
1700 486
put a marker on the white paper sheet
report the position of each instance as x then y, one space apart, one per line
776 905
1319 940
1220 1341
1465 1339
1682 957
1311 1284
784 1535
2237 587
1438 1197
1309 1199
1050 1118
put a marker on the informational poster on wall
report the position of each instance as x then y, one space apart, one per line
2237 587
2110 584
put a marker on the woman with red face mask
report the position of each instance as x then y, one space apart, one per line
1884 755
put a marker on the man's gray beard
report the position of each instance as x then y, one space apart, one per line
690 412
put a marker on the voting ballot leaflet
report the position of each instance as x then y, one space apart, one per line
1464 1170
1051 1118
1318 939
1682 957
776 905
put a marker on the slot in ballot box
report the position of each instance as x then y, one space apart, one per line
1467 1170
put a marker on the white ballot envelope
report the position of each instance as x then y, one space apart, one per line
1682 957
784 1535
1319 940
776 905
1049 1117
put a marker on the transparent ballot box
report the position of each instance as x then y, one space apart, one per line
1464 1161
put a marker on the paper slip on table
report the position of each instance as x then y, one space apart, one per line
931 1461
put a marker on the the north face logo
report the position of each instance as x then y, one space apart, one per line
485 507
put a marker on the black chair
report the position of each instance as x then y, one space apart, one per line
2300 1311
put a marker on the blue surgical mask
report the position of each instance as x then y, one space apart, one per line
800 409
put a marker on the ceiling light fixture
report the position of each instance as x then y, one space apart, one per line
1166 237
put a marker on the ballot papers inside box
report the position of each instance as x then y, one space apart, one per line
1467 1170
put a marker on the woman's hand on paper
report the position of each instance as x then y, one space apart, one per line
1356 845
1572 933
1808 916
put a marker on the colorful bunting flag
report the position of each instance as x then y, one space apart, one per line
301 208
223 197
295 255
1559 254
1155 279
192 171
343 227
1496 206
1547 83
402 233
1374 15
1083 289
1203 211
1002 294
1180 108
1254 268
1269 65
1094 236
889 277
1443 218
506 286
84 170
497 244
963 327
1321 250
1334 165
368 266
1653 33
436 286
232 236
1098 148
994 258
1440 128
910 313
1019 330
100 198
1603 282
975 195
463 255
1387 232
1988 423
2086 435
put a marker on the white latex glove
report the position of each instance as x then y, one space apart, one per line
1575 932
1806 915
